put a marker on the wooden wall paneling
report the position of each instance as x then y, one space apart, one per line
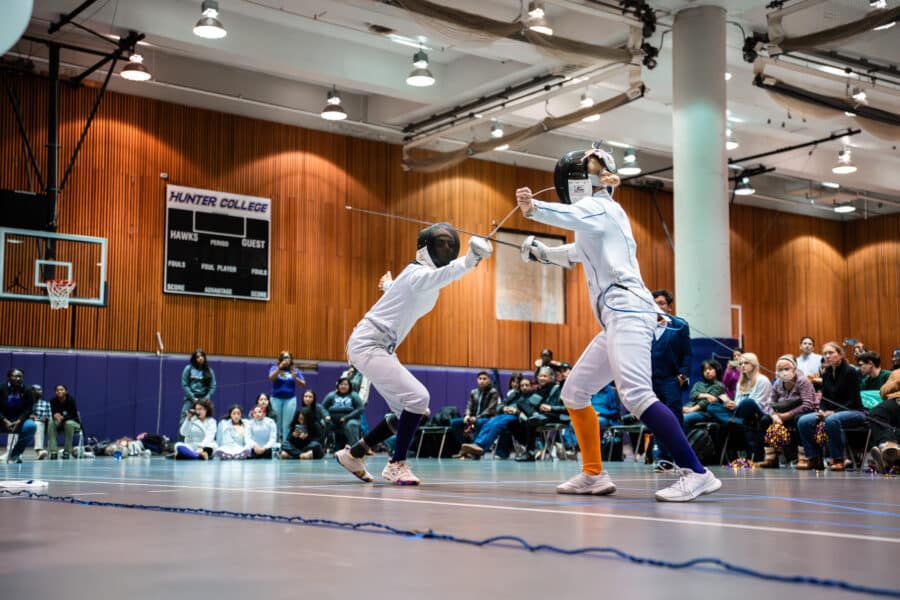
873 284
326 261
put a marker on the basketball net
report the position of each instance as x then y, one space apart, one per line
58 291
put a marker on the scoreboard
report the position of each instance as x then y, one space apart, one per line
217 244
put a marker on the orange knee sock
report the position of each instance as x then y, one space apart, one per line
587 430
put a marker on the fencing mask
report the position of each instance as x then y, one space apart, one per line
571 177
437 245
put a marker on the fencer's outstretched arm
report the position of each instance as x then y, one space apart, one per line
580 216
425 278
564 256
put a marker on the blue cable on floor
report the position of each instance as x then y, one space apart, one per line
511 540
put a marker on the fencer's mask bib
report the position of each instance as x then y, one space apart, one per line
571 178
437 245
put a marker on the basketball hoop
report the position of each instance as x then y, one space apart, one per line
58 291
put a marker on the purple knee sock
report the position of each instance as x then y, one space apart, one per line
406 431
668 432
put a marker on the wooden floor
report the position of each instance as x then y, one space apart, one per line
839 526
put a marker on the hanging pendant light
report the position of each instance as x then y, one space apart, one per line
135 70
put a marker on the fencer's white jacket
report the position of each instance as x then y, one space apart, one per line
262 433
199 434
405 300
604 244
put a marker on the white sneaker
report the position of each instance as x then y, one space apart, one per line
357 466
596 485
399 473
689 486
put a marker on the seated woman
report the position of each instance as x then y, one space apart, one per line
841 406
302 441
792 395
265 403
751 404
708 398
344 407
732 373
233 438
263 433
315 415
63 416
199 432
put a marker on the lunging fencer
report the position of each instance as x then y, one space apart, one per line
605 245
375 338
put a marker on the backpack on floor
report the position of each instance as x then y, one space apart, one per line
702 444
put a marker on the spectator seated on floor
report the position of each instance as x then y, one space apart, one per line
263 434
16 408
840 408
63 417
873 376
752 398
199 433
792 396
41 417
343 407
514 407
481 406
233 438
884 420
303 441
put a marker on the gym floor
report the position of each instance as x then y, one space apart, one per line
838 526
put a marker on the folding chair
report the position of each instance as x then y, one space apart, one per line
860 458
432 429
550 434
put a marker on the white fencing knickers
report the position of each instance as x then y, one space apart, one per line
619 353
400 389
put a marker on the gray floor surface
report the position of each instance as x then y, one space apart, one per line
842 526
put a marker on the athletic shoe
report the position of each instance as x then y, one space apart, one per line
471 450
42 454
596 485
357 466
525 457
64 455
689 486
664 466
877 460
399 473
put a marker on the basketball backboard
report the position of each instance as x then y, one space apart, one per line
29 258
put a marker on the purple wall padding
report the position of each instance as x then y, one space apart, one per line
118 393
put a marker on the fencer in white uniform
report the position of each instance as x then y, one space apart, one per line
605 246
372 345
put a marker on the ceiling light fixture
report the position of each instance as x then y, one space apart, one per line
731 143
135 69
586 100
420 76
630 166
859 95
496 130
844 164
536 20
877 3
727 76
844 207
333 110
845 72
209 26
591 118
502 147
831 184
743 188
885 26
847 113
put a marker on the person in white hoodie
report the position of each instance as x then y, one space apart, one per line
199 432
263 433
233 438
373 341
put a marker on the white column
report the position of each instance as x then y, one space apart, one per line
702 262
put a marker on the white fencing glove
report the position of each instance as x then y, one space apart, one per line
534 250
478 248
